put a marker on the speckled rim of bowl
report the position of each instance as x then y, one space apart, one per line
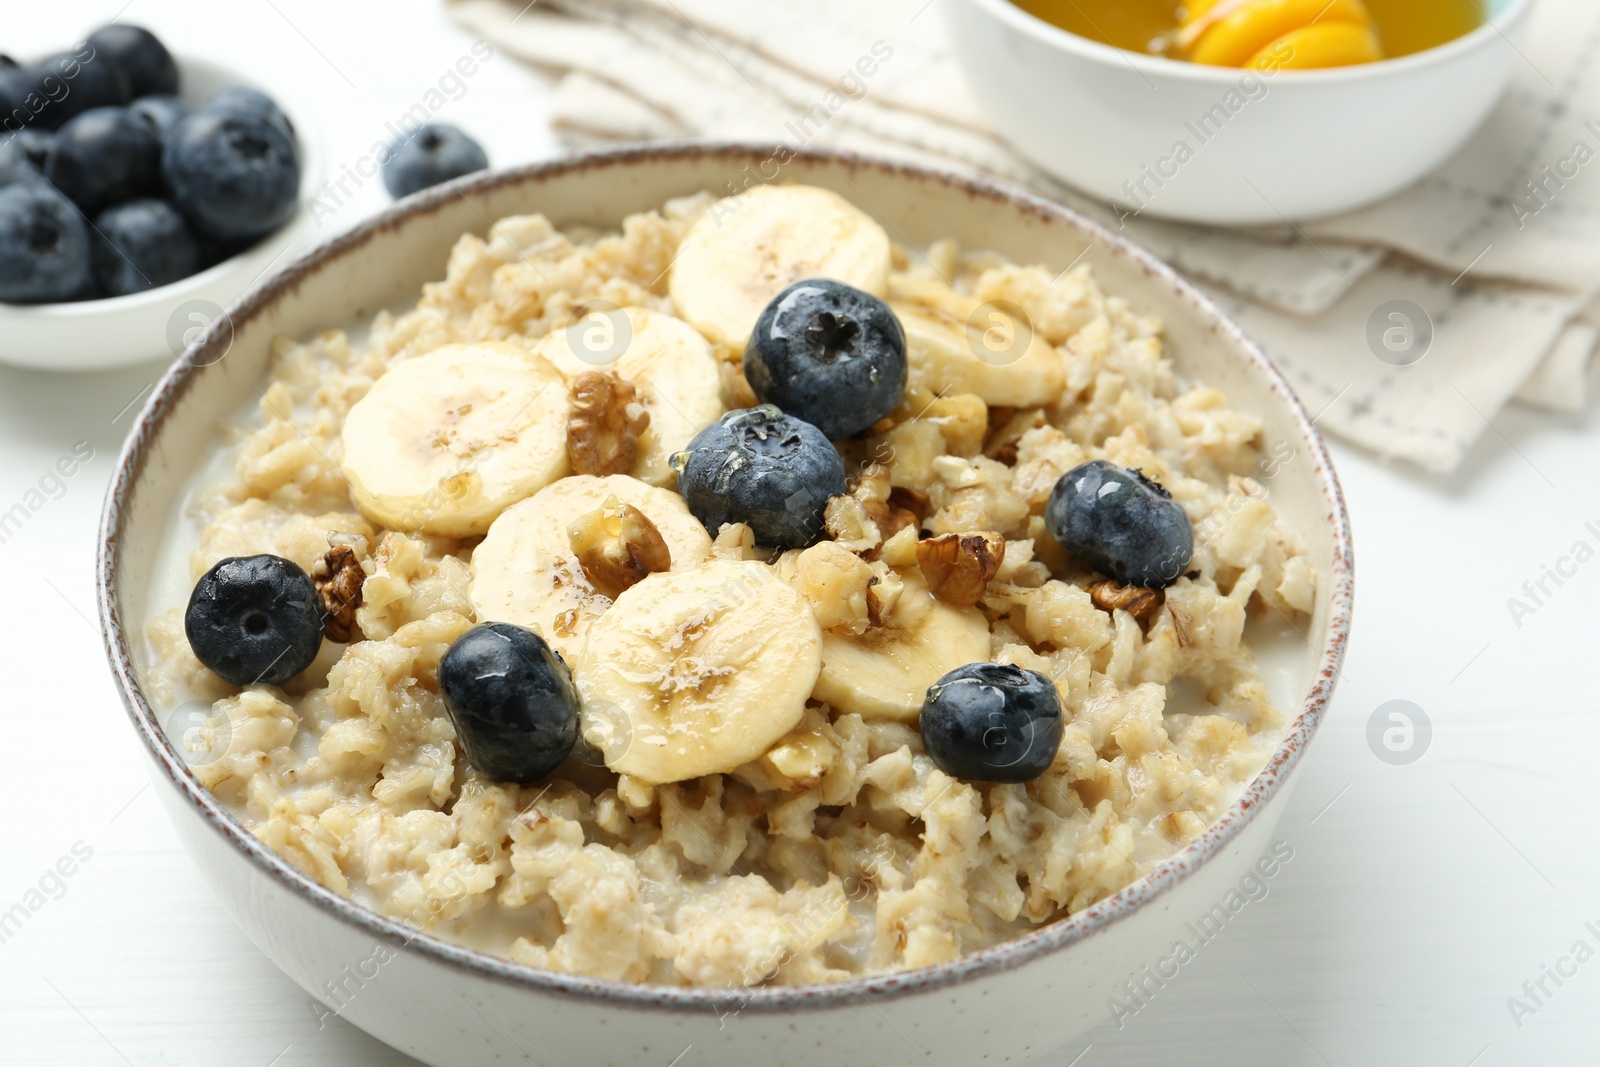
1005 956
1034 26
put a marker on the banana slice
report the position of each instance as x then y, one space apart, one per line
962 345
748 248
674 370
696 672
445 442
885 673
526 572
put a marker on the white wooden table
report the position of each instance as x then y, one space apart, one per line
1421 897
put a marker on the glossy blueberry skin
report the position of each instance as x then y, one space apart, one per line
241 100
992 722
512 701
434 153
105 156
70 83
23 154
761 467
14 82
255 620
1121 523
235 175
144 61
142 244
160 113
44 246
829 354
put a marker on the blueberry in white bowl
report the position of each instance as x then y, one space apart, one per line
14 93
1121 523
255 620
24 154
105 156
764 468
142 244
144 62
243 100
234 174
429 156
992 722
512 701
830 354
160 112
44 245
70 83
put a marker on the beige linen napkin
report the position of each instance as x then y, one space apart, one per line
1503 270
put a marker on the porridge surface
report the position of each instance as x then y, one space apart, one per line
837 848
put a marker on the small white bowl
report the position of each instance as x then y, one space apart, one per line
451 1006
1295 144
159 323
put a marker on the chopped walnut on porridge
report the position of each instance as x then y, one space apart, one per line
730 600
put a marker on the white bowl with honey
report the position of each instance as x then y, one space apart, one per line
1238 111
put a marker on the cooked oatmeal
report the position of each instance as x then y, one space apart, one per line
838 848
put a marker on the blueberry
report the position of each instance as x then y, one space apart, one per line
255 620
1120 523
23 154
431 154
142 244
44 245
14 111
144 61
235 175
512 701
160 113
90 289
829 354
66 85
105 156
992 722
241 100
213 251
761 467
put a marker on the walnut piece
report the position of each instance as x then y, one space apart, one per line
866 518
1137 601
605 425
834 580
617 545
884 590
849 523
959 567
338 577
890 519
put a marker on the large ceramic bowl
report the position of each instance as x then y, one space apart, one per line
1255 148
447 1005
